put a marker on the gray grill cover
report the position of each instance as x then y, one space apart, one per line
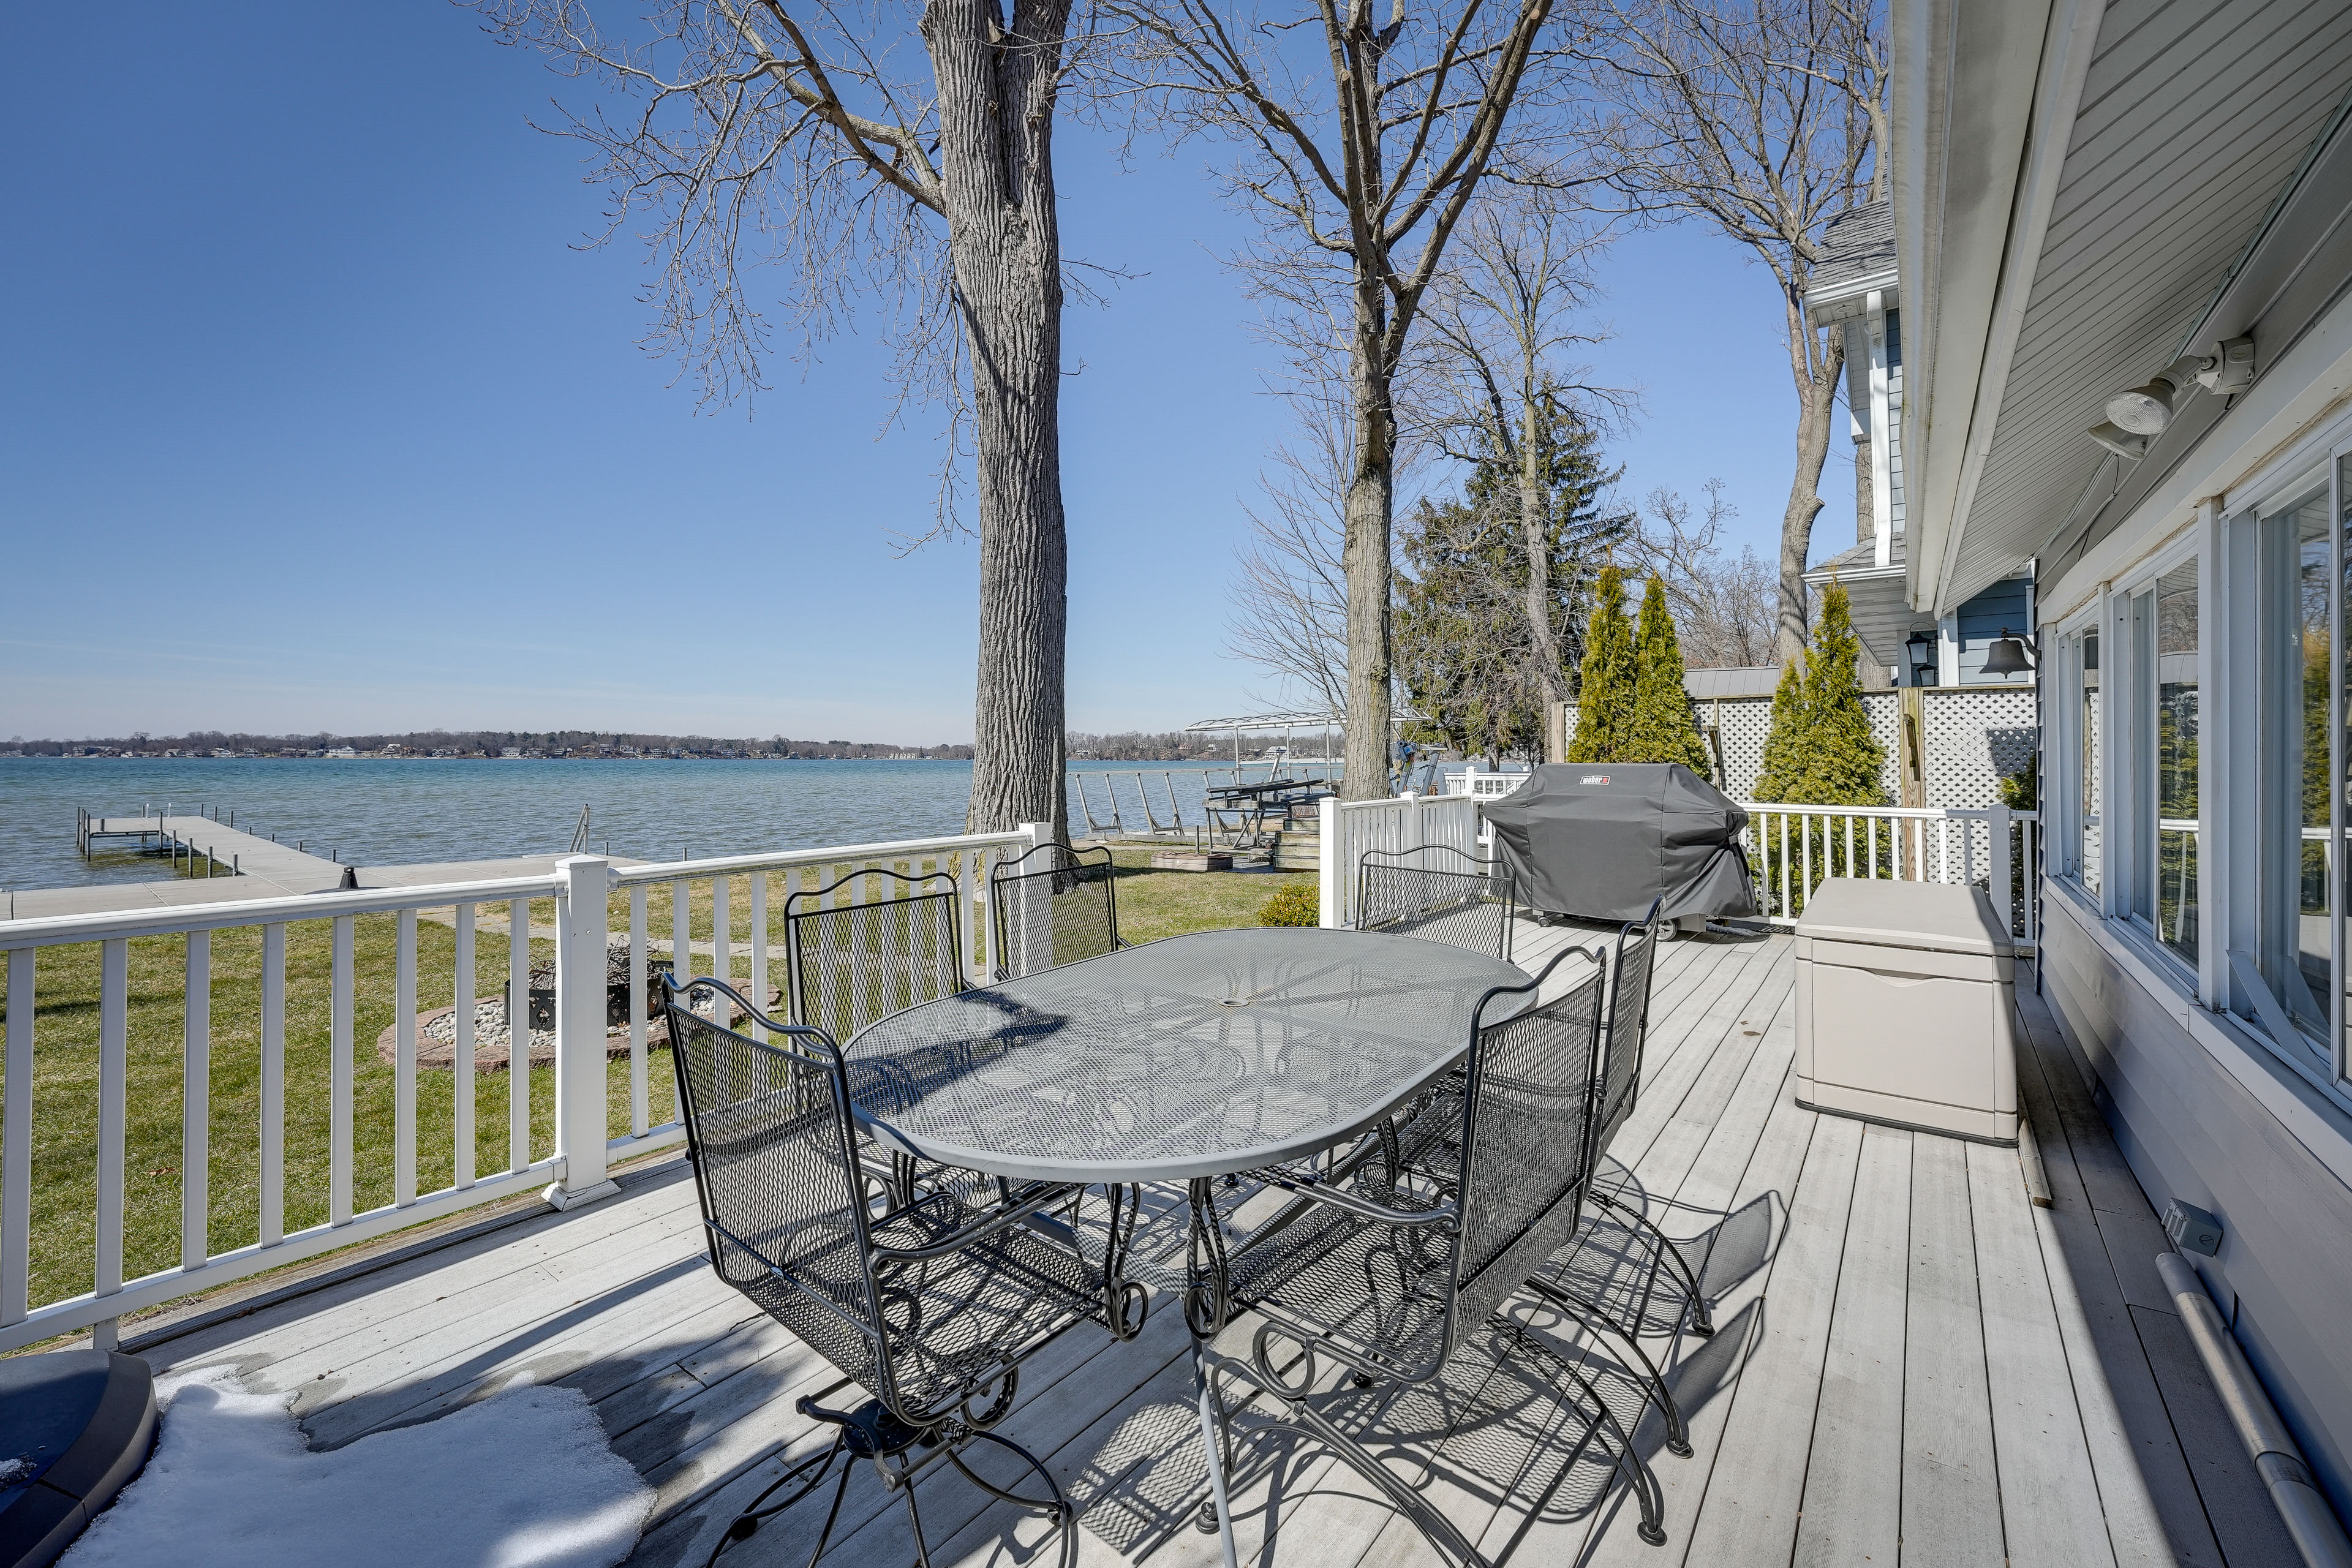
1601 840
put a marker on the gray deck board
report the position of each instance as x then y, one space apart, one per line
1912 1363
1951 1491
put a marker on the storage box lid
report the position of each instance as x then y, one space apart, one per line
1938 916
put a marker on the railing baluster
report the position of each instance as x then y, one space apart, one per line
461 1058
196 1104
403 1063
16 1145
339 1070
759 919
113 1112
519 1034
681 931
1788 910
722 935
637 1010
273 1083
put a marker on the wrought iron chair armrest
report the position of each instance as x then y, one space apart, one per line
1002 1217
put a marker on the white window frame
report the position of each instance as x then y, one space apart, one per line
2253 713
2127 842
2062 794
2230 654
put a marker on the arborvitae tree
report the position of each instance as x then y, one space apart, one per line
1605 697
1821 750
1843 764
1784 743
1660 727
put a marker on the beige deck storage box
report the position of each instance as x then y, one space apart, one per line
1904 1008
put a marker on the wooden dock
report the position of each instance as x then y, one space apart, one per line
1915 1363
228 851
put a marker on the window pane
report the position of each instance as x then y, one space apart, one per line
2315 927
2139 877
2175 759
2087 713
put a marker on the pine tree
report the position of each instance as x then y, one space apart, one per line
1463 646
1660 729
1605 697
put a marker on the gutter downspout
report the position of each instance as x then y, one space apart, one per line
2301 1507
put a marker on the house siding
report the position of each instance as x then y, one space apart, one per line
2188 1129
1894 510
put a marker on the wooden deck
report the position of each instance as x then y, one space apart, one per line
1914 1362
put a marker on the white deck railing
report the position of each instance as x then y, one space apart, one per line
1351 829
1791 849
733 902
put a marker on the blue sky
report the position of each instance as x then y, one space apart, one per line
316 416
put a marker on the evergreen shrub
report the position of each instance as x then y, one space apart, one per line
1604 697
1821 752
1659 726
1293 904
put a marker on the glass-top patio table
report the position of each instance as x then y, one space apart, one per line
1198 1056
1180 1060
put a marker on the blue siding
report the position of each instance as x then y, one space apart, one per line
1981 620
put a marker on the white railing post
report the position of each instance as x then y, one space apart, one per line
1997 862
582 886
1331 878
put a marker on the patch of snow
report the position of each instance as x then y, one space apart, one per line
13 1470
522 1479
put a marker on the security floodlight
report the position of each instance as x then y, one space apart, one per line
2147 410
2120 441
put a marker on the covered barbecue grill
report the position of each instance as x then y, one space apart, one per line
1603 840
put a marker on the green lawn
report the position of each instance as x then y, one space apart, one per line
1152 904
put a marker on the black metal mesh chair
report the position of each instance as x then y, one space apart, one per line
1390 1273
931 1305
1438 893
855 962
1052 906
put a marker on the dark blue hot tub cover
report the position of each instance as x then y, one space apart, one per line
1603 840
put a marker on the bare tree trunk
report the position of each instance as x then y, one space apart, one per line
996 120
1534 537
1816 400
1367 557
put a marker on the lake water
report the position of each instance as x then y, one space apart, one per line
381 813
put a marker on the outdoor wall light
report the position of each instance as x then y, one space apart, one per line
1921 646
2006 656
2120 441
2147 410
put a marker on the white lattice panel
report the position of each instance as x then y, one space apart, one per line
1974 736
1885 711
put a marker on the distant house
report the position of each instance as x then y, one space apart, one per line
1854 286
